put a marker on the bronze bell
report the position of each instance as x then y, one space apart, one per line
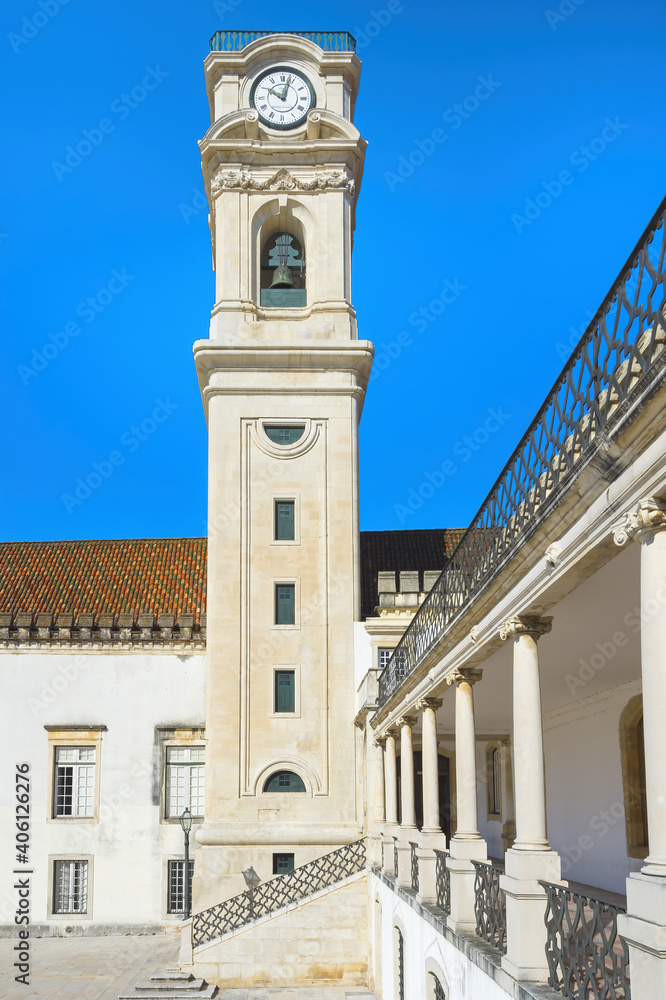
282 277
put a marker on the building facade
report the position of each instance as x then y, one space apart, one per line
441 753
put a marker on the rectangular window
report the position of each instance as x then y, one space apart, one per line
384 655
185 780
285 604
176 889
283 863
70 882
74 781
285 691
284 521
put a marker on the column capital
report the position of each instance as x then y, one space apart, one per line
647 517
464 675
424 703
407 720
532 625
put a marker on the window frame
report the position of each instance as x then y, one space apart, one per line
493 778
170 864
68 737
287 791
636 829
55 859
295 500
282 582
167 737
190 765
281 713
283 854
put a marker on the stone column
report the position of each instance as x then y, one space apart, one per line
530 858
376 791
431 837
644 925
408 833
391 802
467 845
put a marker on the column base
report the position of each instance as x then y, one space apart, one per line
526 933
462 851
429 842
644 929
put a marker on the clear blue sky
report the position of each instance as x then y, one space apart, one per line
506 292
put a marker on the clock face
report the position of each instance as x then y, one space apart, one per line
282 97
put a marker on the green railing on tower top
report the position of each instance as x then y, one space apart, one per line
329 41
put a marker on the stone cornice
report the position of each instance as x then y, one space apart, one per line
281 180
532 625
647 517
100 631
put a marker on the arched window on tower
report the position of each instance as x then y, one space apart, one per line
282 276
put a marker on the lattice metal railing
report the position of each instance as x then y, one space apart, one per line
278 892
490 904
414 859
443 881
329 41
587 959
618 362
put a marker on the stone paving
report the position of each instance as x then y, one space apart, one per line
100 968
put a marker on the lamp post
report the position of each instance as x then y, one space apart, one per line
186 824
252 880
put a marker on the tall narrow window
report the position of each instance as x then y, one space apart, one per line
285 691
493 781
70 887
438 989
401 965
642 786
74 781
284 521
176 888
185 780
285 604
632 751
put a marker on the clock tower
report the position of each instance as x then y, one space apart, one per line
283 377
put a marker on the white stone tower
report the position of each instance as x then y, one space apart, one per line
283 377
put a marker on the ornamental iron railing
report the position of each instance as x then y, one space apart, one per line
443 882
395 856
278 892
587 958
329 41
415 866
618 362
490 904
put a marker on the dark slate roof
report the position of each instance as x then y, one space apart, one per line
421 550
168 575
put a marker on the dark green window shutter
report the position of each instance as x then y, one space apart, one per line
283 863
285 604
285 691
284 520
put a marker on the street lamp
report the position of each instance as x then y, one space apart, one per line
186 824
252 880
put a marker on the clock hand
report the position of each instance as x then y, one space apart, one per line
277 94
283 95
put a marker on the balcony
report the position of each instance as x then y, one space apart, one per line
329 41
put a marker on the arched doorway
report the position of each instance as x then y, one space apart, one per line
444 782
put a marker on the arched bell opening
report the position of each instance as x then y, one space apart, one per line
282 275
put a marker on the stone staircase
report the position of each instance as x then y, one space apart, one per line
172 986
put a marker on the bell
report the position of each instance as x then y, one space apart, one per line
282 277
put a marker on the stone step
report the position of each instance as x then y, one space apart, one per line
164 983
205 992
172 976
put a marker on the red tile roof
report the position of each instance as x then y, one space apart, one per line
158 575
168 575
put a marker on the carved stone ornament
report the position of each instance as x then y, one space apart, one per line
474 633
553 553
407 720
424 703
282 180
650 515
532 625
464 675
